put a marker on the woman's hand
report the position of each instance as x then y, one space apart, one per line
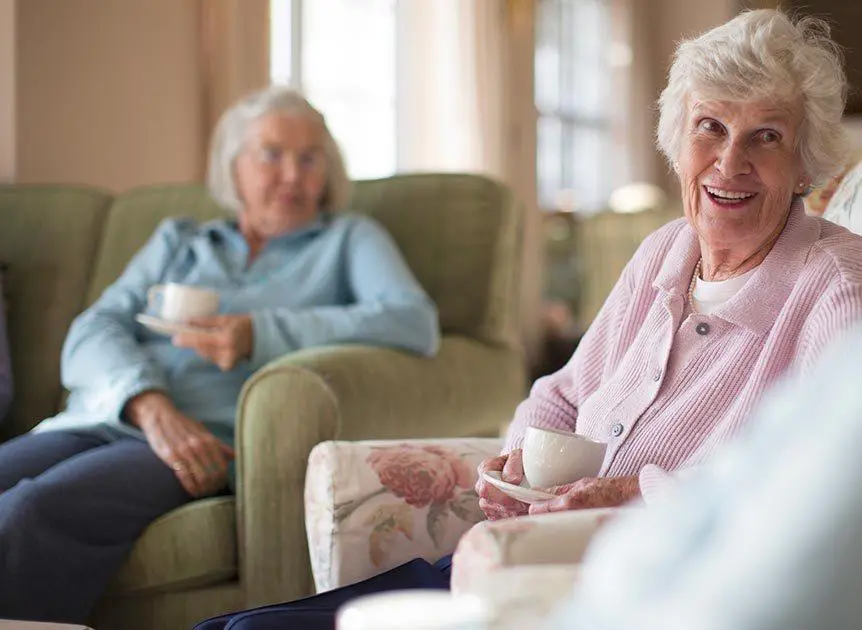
227 340
590 492
494 502
198 459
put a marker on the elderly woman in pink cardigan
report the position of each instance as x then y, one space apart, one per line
714 307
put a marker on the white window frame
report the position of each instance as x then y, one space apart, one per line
295 79
570 121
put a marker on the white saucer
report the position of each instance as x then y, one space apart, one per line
519 493
165 327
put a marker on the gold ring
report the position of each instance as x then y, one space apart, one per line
178 466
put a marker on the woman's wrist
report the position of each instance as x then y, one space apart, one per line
146 407
629 488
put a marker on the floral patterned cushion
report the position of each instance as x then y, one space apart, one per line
372 505
494 546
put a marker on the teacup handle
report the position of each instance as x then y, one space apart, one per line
155 294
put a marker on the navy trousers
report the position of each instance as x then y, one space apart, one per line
318 612
71 507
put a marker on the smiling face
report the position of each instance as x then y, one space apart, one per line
281 175
738 169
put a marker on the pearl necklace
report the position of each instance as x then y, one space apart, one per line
697 269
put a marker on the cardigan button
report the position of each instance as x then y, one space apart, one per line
702 328
617 430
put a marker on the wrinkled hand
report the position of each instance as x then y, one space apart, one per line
227 340
590 492
198 459
494 502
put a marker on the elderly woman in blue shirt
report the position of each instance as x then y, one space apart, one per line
150 419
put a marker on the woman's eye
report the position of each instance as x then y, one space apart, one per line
270 154
310 160
770 137
710 126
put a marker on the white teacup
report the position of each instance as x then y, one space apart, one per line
414 609
181 302
553 457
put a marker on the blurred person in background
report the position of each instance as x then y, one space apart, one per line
149 425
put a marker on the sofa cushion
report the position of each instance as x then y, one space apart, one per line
460 234
191 547
48 238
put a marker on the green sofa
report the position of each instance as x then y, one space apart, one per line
460 235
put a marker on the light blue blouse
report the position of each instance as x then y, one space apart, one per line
340 280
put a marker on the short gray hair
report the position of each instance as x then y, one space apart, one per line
764 55
231 133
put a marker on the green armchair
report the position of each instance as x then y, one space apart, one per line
461 236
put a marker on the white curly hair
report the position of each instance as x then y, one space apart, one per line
764 55
231 134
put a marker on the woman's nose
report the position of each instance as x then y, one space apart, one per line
289 169
733 160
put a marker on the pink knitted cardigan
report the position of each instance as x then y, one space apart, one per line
664 386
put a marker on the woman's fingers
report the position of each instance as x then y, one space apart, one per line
513 471
492 464
224 341
492 511
186 478
495 511
493 502
193 454
211 468
227 450
541 507
210 321
217 461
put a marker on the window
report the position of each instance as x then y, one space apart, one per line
341 54
574 81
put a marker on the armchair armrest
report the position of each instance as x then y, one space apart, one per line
373 505
493 546
347 392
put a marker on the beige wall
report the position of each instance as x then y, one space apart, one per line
7 90
108 92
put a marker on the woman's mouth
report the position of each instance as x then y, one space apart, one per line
291 199
729 198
